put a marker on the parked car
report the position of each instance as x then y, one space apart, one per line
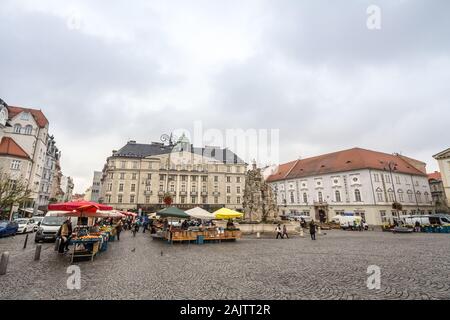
8 228
49 227
37 222
25 225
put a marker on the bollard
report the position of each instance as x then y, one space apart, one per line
301 232
57 244
4 262
25 242
37 253
258 235
318 231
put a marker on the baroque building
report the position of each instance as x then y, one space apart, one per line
356 181
443 159
437 192
139 176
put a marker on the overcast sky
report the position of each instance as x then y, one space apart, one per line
105 72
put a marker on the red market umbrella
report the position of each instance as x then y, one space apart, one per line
79 208
130 214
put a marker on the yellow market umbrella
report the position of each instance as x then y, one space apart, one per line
225 213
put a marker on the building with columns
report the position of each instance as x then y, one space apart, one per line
139 176
443 159
358 181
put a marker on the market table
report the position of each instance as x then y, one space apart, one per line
95 242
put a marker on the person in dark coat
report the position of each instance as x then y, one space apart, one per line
312 230
69 226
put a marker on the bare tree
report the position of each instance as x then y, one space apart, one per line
12 192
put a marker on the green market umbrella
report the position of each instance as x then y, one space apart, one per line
173 212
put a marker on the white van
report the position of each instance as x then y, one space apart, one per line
50 225
347 222
426 220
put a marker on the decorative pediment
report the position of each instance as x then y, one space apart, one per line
443 155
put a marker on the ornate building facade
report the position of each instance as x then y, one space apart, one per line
139 176
357 181
443 159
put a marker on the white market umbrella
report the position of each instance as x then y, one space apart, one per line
199 213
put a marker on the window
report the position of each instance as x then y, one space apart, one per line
162 177
216 200
133 188
238 169
122 176
238 179
121 187
147 199
427 197
216 188
305 197
216 178
228 179
383 216
133 176
25 116
183 187
193 188
292 197
397 179
28 129
380 195
132 198
320 196
419 196
204 200
238 190
123 164
228 199
410 196
357 195
160 199
193 200
376 177
337 196
161 187
109 187
172 188
15 164
387 178
400 196
194 178
391 195
228 169
238 200
204 188
184 178
119 198
108 198
17 128
204 178
228 189
135 165
183 200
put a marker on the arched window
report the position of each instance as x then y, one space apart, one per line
427 197
320 196
337 196
380 197
17 128
305 197
410 196
292 197
401 198
419 196
28 129
357 195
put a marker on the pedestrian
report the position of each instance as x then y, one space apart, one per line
119 229
279 232
417 226
136 228
285 233
145 225
64 232
69 236
312 230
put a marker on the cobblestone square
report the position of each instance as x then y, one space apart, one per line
413 266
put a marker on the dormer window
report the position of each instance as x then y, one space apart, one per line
25 116
17 128
28 129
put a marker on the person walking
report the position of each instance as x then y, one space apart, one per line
279 232
119 226
135 228
145 224
312 230
285 233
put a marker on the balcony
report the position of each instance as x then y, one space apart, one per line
161 193
204 193
148 193
194 193
216 193
320 203
183 193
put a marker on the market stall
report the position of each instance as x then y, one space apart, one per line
87 240
231 231
199 232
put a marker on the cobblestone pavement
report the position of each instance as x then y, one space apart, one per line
413 266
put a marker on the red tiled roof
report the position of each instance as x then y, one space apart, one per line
282 171
38 115
10 148
435 176
346 160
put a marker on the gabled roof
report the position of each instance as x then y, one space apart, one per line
443 154
8 147
138 150
38 115
282 171
346 160
435 176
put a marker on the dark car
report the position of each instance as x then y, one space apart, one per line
8 228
